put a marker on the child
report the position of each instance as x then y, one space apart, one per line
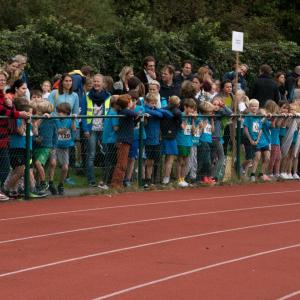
242 100
17 153
125 138
154 87
134 148
66 129
204 150
44 141
169 128
275 156
109 139
36 97
184 140
152 143
218 156
46 88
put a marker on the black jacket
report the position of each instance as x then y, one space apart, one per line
170 127
264 89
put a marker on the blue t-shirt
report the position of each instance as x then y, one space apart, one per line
283 131
254 126
47 134
275 140
197 132
265 138
139 109
65 139
206 136
19 141
184 136
109 134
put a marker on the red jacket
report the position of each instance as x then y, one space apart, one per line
9 112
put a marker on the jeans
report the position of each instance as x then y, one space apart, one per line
92 145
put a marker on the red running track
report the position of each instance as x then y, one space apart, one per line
231 242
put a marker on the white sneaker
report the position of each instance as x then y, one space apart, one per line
183 183
3 197
296 176
166 180
290 176
103 186
252 178
284 176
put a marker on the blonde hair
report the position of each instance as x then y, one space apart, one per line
253 101
125 71
43 107
174 101
151 97
271 107
206 107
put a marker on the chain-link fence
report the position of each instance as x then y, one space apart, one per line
40 155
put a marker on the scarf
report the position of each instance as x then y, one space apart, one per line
98 97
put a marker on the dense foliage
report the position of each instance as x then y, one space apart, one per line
61 36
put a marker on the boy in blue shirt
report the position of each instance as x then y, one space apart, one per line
66 129
184 140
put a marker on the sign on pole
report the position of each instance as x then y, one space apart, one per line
237 41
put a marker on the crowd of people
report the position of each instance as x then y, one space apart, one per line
186 121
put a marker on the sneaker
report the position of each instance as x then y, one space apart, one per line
61 189
296 176
93 184
183 183
37 194
284 176
166 180
127 183
43 187
252 178
290 176
212 180
265 177
52 189
70 181
103 186
3 198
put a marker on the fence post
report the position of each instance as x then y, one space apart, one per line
27 165
238 148
140 158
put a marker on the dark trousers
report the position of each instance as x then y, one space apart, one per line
110 160
203 160
4 163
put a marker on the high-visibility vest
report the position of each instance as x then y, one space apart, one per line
90 108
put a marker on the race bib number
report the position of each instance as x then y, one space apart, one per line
187 130
255 127
197 132
66 136
207 129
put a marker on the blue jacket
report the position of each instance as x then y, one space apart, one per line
47 137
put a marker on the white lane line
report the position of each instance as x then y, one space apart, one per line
147 204
144 221
60 262
289 296
222 263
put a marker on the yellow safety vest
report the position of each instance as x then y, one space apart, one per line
90 108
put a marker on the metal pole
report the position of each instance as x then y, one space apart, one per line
140 158
27 165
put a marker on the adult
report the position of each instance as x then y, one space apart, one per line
22 61
121 87
168 87
6 109
280 81
290 83
186 72
226 97
18 89
11 67
264 87
78 80
296 94
242 82
96 103
63 94
148 73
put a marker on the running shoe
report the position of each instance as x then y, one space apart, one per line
296 176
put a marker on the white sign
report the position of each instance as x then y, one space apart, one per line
237 41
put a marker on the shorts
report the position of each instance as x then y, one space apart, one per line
41 155
62 156
262 149
17 157
134 149
184 151
169 147
152 152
